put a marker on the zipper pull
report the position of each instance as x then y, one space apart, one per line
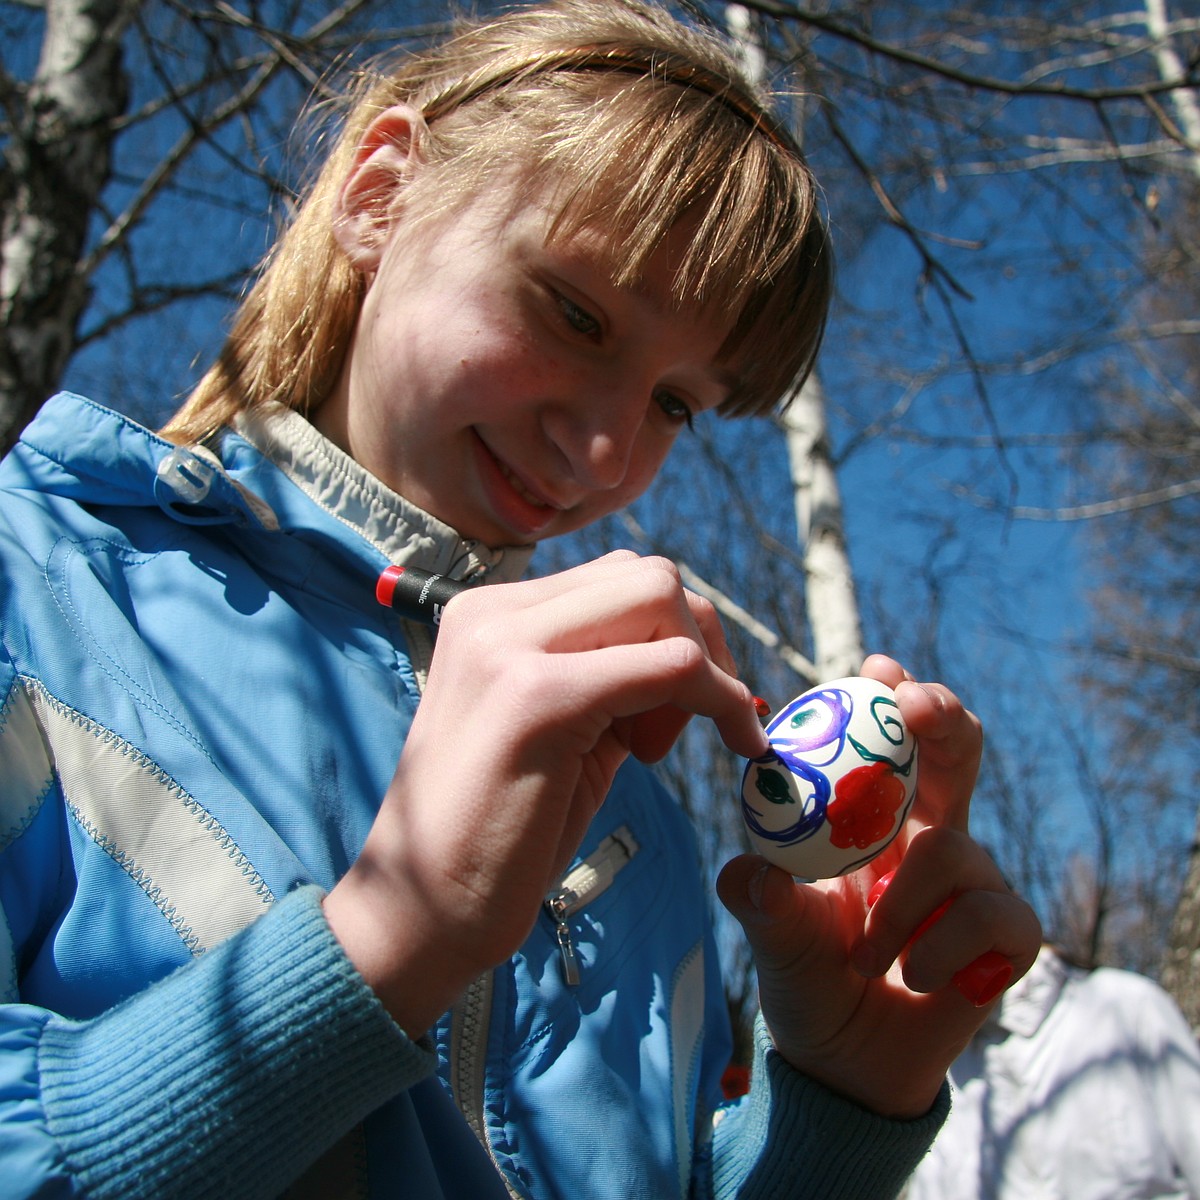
583 884
566 948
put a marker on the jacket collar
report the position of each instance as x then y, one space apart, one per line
1027 1004
405 534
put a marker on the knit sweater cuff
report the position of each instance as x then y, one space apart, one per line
796 1137
232 1072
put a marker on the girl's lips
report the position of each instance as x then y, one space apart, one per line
513 503
520 487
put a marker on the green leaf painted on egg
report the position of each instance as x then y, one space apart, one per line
773 787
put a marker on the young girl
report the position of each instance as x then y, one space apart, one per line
270 924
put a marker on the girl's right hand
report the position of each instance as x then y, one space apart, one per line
537 693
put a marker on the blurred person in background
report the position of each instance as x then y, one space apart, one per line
1081 1085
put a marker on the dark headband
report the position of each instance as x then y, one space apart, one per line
661 66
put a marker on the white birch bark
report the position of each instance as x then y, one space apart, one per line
830 595
1171 66
830 598
56 162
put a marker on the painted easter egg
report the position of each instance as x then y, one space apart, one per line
838 781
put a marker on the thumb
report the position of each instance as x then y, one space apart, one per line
771 908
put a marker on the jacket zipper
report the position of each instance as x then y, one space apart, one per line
471 1015
468 1047
583 884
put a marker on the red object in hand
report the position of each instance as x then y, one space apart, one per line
981 981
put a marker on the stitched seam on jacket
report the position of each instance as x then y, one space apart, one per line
21 794
116 792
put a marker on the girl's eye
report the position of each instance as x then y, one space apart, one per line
675 409
579 318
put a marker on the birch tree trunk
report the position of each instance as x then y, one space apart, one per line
56 162
833 616
831 602
1181 965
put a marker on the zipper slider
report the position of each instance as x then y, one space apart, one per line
558 906
583 884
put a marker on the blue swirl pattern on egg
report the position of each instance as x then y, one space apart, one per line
838 781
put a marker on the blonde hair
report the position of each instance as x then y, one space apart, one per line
631 120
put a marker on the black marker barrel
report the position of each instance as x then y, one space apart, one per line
416 594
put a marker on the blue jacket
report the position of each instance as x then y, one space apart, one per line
202 703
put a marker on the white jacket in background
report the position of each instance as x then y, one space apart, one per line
1082 1085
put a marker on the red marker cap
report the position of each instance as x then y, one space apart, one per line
385 585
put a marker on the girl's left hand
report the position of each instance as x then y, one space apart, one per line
857 994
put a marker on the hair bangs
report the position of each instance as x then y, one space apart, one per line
641 158
758 249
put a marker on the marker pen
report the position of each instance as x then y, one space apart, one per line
416 594
421 596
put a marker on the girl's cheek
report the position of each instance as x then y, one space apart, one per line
642 473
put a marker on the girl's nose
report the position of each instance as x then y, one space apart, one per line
604 460
598 433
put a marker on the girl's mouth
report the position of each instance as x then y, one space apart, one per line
520 488
517 507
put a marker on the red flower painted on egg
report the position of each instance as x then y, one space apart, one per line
864 805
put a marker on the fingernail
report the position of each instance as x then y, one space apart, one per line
984 979
756 884
762 708
864 958
881 886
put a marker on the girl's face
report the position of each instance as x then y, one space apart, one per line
509 387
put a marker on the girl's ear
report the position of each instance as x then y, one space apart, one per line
386 158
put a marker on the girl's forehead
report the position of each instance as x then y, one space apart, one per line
537 212
586 214
540 217
654 278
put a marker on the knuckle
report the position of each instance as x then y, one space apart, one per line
936 849
682 656
661 586
663 565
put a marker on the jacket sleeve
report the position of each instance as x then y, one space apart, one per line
217 1081
792 1137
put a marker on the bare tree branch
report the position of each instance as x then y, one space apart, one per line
1153 86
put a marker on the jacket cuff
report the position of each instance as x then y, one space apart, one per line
796 1137
223 1078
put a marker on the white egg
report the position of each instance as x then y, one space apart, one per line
838 782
